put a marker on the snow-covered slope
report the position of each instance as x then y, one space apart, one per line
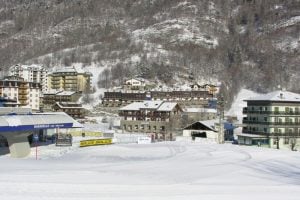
239 103
194 40
157 171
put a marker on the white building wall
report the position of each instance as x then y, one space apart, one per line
34 98
209 134
27 72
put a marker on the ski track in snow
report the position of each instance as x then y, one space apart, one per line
166 170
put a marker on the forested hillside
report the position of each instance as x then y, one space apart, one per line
247 43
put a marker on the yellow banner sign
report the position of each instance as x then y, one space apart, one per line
85 143
86 133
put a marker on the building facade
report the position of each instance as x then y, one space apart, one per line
187 98
25 93
31 73
134 84
50 98
158 118
69 79
202 129
73 109
272 120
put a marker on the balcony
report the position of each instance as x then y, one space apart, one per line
272 123
56 77
70 82
22 97
23 92
254 132
56 83
67 83
23 87
273 134
71 78
262 112
23 102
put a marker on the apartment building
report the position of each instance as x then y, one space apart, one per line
158 118
73 109
52 96
134 84
69 79
272 120
187 98
31 73
25 93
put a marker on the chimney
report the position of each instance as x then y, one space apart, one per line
281 96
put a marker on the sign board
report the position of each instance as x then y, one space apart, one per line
144 140
85 143
64 140
16 127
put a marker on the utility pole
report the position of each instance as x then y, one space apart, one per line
221 114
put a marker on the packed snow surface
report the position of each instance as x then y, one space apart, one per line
173 170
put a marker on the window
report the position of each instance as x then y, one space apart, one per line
154 128
288 120
287 109
276 110
265 130
266 108
265 119
136 127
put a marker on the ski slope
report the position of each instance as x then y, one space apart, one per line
172 170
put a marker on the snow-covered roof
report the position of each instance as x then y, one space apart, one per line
143 105
136 79
26 67
68 105
156 105
167 106
282 96
66 69
34 119
17 110
65 93
200 110
52 91
76 124
210 124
